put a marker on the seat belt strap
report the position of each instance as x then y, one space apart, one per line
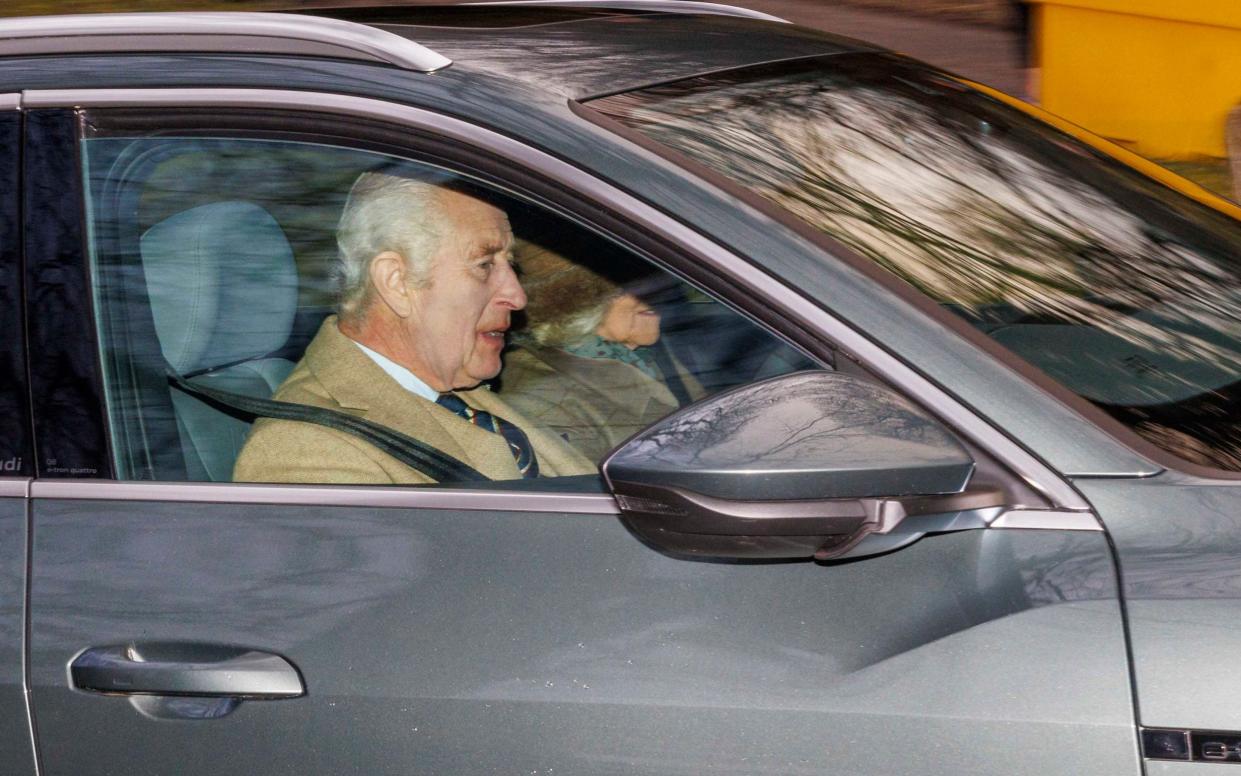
421 457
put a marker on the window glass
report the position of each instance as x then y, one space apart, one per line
273 311
1120 288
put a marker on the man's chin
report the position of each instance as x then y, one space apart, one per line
474 377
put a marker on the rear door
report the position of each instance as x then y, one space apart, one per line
514 630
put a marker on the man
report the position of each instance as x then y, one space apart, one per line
428 288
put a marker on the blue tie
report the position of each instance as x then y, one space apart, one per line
518 443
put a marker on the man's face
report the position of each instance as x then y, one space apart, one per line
461 316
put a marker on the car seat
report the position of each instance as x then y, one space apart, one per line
223 289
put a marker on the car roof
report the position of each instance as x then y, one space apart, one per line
566 48
583 51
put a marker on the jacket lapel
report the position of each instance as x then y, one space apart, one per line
358 384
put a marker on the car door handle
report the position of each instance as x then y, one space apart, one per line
198 670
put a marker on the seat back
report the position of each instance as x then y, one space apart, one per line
223 289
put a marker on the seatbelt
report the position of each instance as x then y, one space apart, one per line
672 375
434 463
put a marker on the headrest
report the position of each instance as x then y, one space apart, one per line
222 283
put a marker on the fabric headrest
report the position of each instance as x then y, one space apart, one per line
222 283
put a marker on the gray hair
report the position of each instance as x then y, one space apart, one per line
386 213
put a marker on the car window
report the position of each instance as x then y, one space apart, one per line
255 325
1123 290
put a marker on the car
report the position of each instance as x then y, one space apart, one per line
958 495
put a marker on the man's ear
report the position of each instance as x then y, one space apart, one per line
389 278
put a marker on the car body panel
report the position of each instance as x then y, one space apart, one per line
1178 539
15 736
559 642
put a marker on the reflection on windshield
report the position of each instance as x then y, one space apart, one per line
1123 290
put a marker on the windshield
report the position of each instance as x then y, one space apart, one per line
1122 289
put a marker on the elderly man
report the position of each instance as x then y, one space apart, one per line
427 293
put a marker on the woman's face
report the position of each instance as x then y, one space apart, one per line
631 322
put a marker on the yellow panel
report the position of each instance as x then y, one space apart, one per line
1226 13
1123 155
1164 86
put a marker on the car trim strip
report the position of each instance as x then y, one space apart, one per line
1047 519
232 32
10 101
329 495
1061 494
13 487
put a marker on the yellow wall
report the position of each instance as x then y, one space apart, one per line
1159 74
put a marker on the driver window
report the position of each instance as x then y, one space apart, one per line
275 311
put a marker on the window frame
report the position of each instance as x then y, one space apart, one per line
569 191
12 312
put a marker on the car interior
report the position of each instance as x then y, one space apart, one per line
214 262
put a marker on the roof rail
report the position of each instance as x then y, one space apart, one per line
207 32
665 6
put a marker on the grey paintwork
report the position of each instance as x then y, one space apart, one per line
15 738
1178 540
444 642
810 435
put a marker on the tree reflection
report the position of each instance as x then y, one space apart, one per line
981 208
801 420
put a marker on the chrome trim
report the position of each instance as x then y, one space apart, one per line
667 6
11 101
14 487
229 32
1059 492
328 496
1048 519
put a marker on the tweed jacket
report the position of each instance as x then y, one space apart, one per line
594 404
336 374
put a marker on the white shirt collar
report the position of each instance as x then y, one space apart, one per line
402 375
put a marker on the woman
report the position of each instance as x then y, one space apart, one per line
585 366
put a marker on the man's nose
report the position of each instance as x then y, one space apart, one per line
510 292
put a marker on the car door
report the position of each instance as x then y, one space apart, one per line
16 457
514 629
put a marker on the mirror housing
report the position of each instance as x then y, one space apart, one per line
803 465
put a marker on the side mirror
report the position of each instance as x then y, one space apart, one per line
804 465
